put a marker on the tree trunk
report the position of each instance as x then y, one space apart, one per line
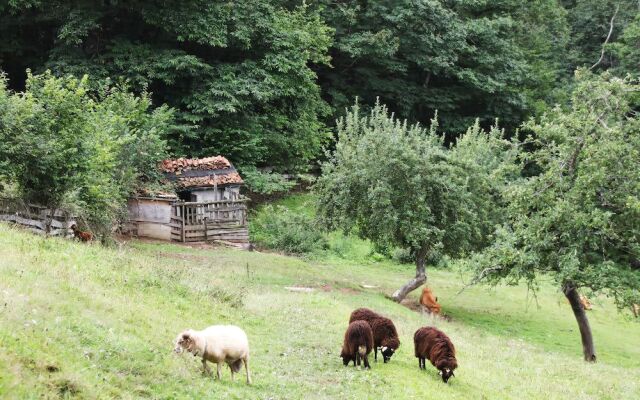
573 296
419 280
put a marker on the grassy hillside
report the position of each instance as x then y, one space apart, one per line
84 321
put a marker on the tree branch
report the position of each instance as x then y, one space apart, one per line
483 274
604 45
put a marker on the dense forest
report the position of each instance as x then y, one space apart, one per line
263 81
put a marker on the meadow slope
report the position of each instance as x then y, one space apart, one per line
91 322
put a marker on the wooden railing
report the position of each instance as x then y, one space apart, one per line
215 220
37 218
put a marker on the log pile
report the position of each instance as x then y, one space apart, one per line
211 180
187 164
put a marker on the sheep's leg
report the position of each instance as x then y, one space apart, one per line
366 361
232 375
357 358
219 372
246 367
375 354
205 367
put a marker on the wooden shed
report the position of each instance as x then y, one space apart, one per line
207 206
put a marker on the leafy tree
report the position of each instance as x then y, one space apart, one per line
578 220
64 146
592 22
542 32
398 185
238 73
627 50
467 59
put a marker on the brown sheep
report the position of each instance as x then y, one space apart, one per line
364 314
358 342
433 344
385 336
83 236
430 302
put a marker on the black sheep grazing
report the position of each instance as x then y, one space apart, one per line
385 336
358 342
433 344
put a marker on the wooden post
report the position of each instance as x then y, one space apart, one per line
184 239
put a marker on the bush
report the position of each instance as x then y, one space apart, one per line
402 256
64 146
280 229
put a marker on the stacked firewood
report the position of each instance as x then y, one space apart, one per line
211 180
186 164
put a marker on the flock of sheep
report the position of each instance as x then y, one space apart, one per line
367 331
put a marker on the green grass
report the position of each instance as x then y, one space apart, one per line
90 322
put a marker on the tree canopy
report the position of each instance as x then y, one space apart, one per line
239 73
398 185
460 58
262 81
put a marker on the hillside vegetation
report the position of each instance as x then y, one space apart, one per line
84 321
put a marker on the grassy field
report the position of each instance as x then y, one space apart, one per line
89 322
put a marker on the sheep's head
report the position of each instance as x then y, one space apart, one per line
387 352
184 341
389 346
346 358
446 374
446 368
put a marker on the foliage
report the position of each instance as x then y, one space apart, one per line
294 233
265 182
237 72
401 187
467 59
627 50
64 145
579 219
543 33
590 22
258 81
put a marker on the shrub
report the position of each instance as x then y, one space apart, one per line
280 229
64 146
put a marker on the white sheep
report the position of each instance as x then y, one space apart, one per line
218 344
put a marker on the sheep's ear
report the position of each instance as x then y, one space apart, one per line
452 374
440 372
186 336
436 298
383 348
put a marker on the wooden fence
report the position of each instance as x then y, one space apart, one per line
38 219
224 220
